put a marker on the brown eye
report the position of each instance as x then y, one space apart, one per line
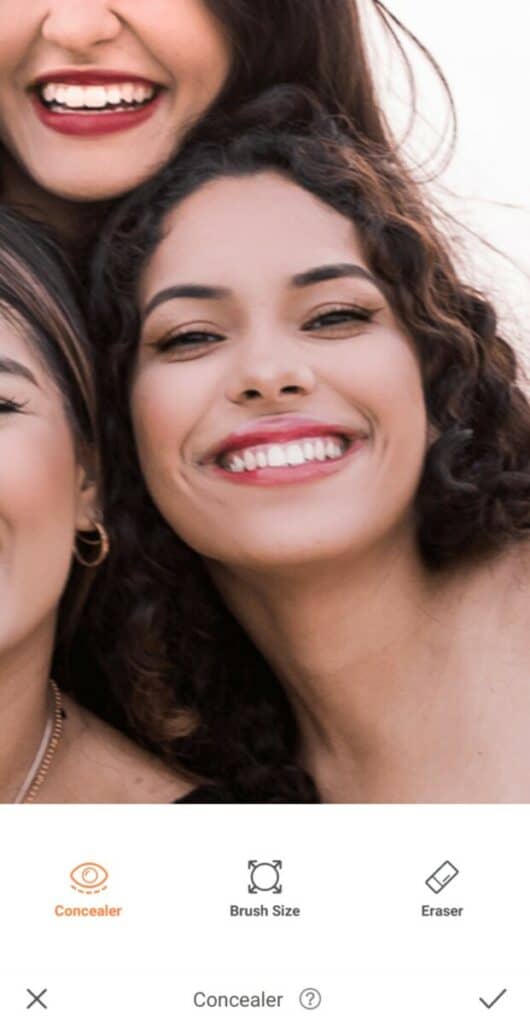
338 317
184 342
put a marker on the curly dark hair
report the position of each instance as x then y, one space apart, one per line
192 684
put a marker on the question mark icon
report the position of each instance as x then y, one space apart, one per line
310 998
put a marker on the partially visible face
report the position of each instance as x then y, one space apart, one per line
43 497
277 402
95 95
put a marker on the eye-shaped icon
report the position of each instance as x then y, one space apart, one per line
89 878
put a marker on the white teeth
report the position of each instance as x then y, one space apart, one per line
114 94
295 455
140 93
320 451
333 450
277 456
75 96
95 97
127 92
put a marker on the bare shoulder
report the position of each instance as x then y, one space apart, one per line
98 764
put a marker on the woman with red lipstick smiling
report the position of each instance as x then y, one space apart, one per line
96 95
331 428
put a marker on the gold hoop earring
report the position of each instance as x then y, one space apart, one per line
102 541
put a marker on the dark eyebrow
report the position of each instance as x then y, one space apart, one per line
17 369
216 292
185 291
330 272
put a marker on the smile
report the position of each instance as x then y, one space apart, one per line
94 103
64 98
276 456
303 461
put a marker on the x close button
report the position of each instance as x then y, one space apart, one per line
36 1000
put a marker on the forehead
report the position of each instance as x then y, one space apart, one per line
242 227
15 335
17 343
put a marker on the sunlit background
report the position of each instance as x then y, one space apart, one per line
483 49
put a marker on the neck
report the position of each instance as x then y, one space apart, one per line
73 221
24 705
384 664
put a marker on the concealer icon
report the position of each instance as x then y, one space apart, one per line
442 876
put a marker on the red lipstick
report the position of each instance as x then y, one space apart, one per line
96 76
282 431
98 122
278 430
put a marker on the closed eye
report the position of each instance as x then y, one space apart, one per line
10 405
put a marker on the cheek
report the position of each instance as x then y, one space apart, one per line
13 47
14 37
165 404
195 46
390 386
385 383
37 515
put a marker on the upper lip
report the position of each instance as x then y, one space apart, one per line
87 76
278 430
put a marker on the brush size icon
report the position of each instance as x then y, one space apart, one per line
442 877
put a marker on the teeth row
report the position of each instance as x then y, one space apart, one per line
75 97
276 455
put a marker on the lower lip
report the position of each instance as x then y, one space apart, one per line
95 124
271 477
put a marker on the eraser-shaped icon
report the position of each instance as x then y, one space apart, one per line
442 876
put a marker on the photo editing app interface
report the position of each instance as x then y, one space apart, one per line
370 914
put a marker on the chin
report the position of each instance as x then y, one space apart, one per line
281 556
91 187
91 192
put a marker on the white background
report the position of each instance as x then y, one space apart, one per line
483 47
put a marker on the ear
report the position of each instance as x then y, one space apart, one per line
88 508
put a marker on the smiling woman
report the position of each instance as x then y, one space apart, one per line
337 455
52 539
96 96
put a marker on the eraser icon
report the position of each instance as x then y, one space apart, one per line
442 876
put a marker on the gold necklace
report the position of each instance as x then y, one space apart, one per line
49 743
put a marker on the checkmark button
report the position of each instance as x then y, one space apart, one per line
496 1000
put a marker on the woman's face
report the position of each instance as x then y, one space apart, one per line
96 94
277 402
43 495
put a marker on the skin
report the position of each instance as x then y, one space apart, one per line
175 43
46 496
407 686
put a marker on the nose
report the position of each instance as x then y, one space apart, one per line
270 375
81 25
